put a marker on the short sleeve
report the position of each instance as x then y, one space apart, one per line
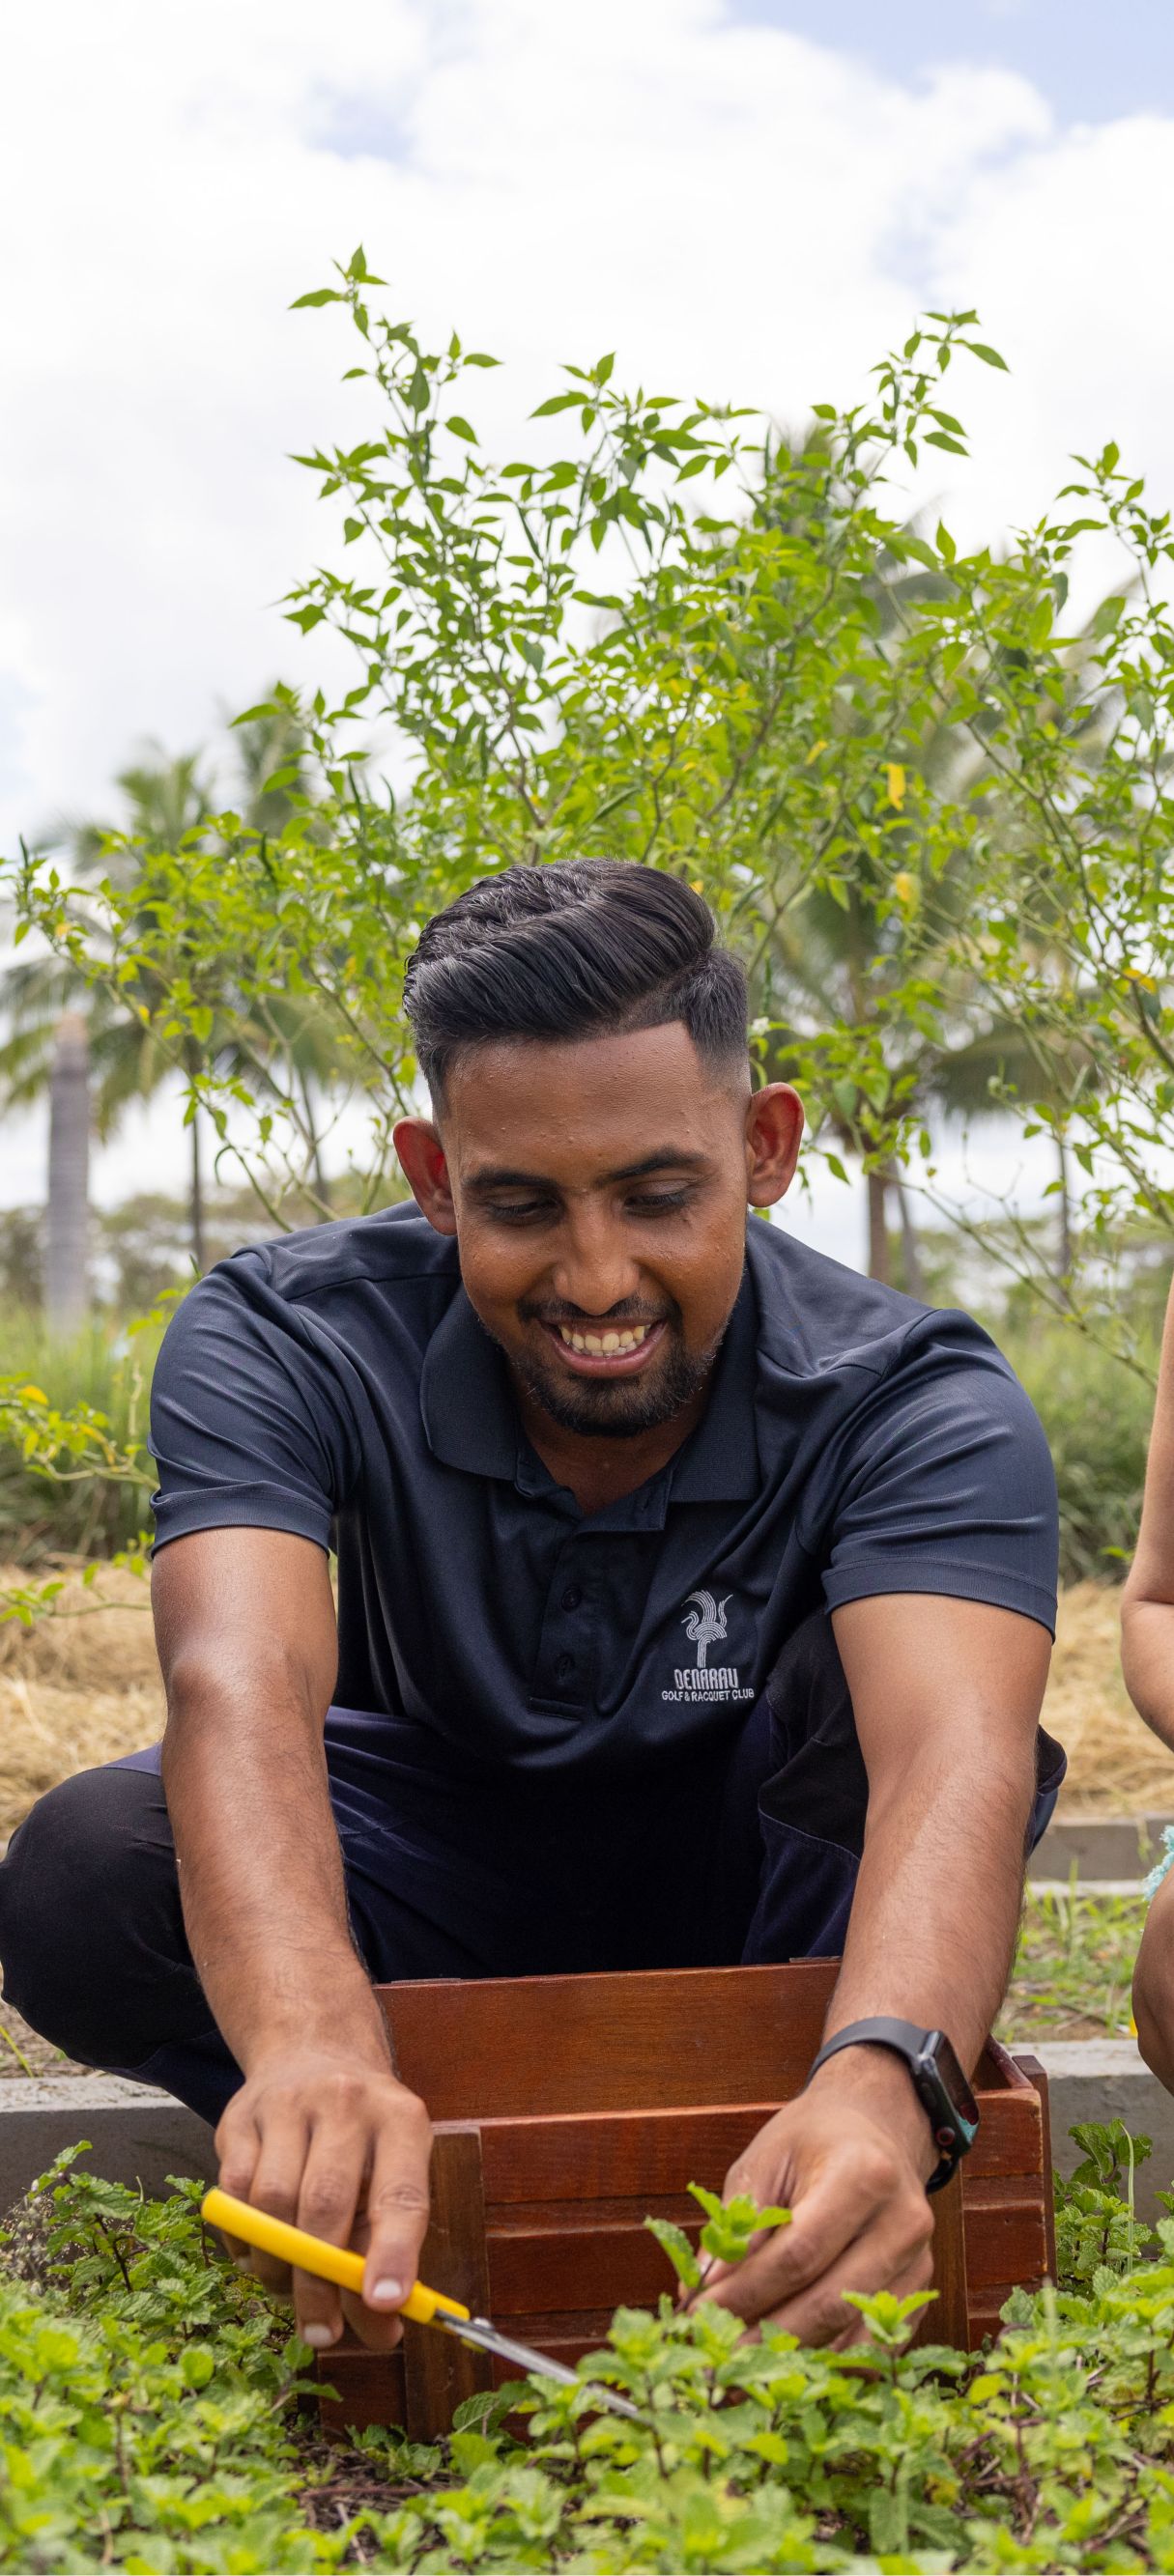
948 1486
248 1425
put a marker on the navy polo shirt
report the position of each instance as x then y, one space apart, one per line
337 1384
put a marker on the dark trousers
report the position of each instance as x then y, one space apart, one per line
747 1853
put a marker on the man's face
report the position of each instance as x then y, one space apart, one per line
599 1193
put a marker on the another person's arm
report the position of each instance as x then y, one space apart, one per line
321 2132
947 1695
1147 1602
1147 1661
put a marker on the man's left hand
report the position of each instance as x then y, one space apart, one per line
850 2159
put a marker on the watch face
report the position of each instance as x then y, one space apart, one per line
954 2081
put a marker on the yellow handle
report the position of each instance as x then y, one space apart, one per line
312 2254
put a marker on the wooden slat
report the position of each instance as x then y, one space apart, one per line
563 2267
1032 2069
948 2319
501 2047
1009 2135
440 2372
370 2386
589 2155
1006 2233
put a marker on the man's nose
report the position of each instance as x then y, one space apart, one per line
594 1269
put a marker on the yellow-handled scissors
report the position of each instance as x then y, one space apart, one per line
294 2245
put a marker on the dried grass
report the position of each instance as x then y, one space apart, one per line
83 1686
80 1686
1115 1766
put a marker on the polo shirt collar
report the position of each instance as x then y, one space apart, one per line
471 1420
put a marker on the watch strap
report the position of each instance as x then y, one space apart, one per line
908 2041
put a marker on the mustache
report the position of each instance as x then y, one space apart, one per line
616 1316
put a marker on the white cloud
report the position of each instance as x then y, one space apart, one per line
737 210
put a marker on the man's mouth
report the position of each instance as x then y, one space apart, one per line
608 1349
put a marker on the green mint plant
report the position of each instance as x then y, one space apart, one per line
154 2418
727 2236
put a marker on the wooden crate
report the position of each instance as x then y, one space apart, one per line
570 2108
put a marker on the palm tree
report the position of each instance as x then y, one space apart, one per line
165 800
283 1047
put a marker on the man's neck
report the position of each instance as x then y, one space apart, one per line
598 1471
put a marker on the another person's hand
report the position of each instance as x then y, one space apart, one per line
335 2144
850 2158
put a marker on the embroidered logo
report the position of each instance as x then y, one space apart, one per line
704 1622
706 1626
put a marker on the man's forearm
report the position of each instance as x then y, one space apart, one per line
261 1879
937 1900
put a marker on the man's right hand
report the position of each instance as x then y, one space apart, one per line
334 2143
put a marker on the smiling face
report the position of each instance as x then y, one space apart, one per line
599 1193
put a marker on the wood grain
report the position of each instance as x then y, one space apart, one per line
439 2372
569 2108
665 2038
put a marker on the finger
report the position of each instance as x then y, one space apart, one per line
277 2174
332 2179
844 2200
238 2147
397 2206
879 2261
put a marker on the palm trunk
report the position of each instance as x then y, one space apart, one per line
69 1160
878 1232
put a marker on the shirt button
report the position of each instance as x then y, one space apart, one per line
564 1668
572 1597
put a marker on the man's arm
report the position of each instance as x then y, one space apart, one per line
321 2132
947 1694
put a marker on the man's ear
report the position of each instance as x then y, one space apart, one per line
774 1126
422 1159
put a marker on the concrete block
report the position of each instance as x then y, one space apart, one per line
1101 1846
137 2134
1108 2079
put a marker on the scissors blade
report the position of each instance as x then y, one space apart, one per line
479 2331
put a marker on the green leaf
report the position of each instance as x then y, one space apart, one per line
320 295
676 2245
555 402
460 428
990 357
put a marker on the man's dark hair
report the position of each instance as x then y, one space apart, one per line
568 951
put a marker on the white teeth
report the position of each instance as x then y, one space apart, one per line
612 1344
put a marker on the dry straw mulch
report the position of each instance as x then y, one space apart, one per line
80 1686
83 1685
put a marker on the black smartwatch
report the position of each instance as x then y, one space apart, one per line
938 2082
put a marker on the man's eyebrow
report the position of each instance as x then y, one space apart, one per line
666 1158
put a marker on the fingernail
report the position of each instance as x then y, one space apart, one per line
319 2337
386 2294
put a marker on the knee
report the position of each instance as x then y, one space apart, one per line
59 1885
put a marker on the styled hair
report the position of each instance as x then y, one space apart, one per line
568 951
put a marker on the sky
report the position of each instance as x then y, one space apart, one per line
745 198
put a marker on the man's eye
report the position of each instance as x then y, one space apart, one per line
660 1202
520 1211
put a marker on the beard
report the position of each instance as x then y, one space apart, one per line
595 1410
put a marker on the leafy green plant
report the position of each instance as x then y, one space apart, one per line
729 2231
1073 1965
149 2420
